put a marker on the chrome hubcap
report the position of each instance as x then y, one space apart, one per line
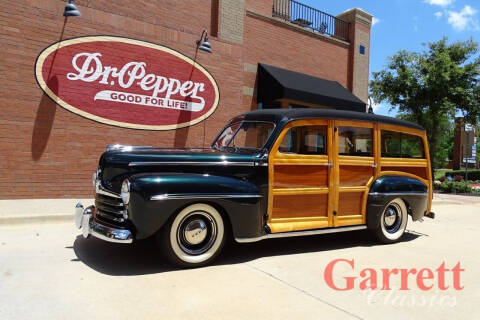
392 218
197 233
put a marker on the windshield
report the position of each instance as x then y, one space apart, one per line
244 135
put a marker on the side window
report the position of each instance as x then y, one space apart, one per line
401 145
305 140
391 144
252 135
353 141
227 135
412 146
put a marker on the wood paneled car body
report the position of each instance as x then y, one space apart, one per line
269 173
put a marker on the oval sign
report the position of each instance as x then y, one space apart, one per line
127 83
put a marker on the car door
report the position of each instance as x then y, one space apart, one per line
354 170
300 168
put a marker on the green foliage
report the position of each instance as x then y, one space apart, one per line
430 87
444 149
455 187
472 174
439 173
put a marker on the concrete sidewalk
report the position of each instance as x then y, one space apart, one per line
49 271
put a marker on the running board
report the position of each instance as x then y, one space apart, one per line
300 233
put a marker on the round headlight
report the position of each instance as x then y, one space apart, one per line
125 192
96 176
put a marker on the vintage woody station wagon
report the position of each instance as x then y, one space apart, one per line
269 173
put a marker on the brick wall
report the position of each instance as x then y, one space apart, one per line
261 7
48 152
279 44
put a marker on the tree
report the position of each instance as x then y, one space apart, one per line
430 87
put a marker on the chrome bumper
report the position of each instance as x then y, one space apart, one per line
84 220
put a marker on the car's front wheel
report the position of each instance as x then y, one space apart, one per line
194 237
391 224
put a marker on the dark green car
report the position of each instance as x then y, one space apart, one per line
269 173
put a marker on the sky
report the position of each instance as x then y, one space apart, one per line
407 24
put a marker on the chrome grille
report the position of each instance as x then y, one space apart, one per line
110 210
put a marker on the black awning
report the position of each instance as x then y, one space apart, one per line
276 84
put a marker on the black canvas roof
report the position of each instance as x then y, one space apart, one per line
278 115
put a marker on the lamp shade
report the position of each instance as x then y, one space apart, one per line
71 10
205 46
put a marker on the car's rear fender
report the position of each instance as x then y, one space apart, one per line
386 188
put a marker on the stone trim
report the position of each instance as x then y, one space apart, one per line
358 15
250 67
231 20
247 91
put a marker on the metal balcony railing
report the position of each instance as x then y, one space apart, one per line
311 18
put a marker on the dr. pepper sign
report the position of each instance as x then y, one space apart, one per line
127 83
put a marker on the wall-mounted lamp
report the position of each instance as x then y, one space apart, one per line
204 44
71 10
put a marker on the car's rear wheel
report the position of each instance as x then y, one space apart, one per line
194 237
392 222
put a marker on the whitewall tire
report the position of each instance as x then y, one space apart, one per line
392 222
194 237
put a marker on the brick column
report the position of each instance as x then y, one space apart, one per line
358 70
462 148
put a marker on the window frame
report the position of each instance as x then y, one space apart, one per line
316 138
372 147
278 157
402 132
347 159
212 145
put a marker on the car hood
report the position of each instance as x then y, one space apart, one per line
120 163
143 155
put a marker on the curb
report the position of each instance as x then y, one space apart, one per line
39 211
446 203
38 219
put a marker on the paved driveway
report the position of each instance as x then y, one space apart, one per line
48 272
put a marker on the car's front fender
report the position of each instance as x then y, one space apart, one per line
155 197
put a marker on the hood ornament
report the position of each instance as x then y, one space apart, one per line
126 148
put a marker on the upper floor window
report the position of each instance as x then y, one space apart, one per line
305 140
353 141
401 145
